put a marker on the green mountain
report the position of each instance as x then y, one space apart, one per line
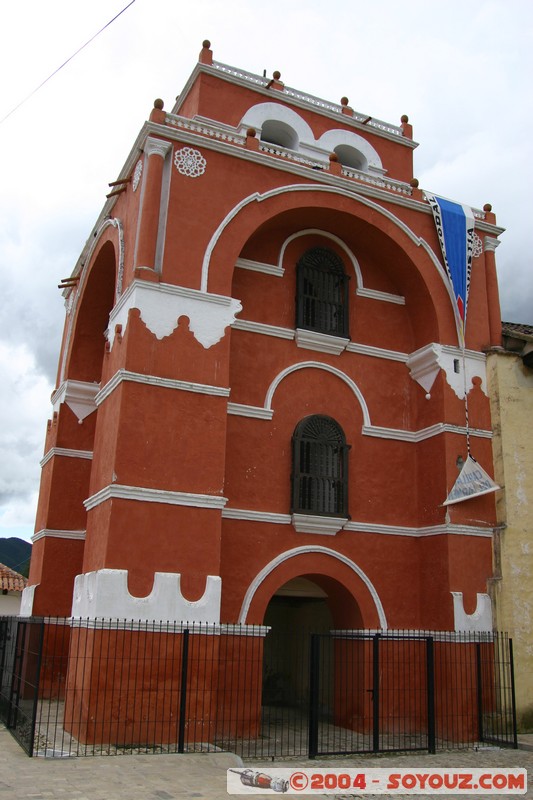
15 553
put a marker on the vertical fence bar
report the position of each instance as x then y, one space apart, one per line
430 682
479 682
513 696
375 692
36 688
183 691
314 683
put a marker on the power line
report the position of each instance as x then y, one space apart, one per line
66 62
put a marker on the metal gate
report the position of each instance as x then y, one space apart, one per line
364 692
21 646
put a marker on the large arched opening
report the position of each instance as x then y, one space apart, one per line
312 674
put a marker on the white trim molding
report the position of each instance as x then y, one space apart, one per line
262 328
312 523
154 380
276 331
47 533
65 452
147 495
256 412
384 297
305 550
321 342
327 368
424 433
259 266
162 305
353 526
79 397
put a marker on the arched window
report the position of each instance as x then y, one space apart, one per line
322 293
319 467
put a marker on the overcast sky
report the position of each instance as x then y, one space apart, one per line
462 71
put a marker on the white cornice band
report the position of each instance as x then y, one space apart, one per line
163 383
255 412
259 266
47 533
424 433
262 328
65 452
147 495
444 529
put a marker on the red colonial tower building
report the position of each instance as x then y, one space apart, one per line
263 386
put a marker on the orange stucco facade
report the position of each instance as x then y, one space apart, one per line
184 374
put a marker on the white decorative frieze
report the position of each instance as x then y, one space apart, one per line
459 367
190 162
104 594
137 173
79 397
479 621
161 306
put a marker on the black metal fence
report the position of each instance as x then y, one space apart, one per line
85 687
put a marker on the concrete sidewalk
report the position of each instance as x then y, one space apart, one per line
202 775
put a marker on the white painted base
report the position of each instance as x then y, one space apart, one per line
104 594
26 603
480 620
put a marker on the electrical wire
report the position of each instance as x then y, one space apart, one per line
66 62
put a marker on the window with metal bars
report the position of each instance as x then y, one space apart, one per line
322 293
320 467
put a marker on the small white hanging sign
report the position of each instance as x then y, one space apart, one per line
473 481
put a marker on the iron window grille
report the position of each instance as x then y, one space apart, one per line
320 467
322 293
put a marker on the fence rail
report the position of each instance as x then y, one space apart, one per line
95 687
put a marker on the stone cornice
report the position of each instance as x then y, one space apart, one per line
65 453
294 98
47 533
153 380
147 495
353 526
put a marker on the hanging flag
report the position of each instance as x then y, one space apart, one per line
473 481
455 229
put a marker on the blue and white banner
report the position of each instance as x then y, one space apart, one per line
455 229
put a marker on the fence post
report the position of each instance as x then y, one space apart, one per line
183 691
430 670
314 683
36 687
513 697
375 692
479 687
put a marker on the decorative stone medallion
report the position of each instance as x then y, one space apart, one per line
190 162
137 174
477 247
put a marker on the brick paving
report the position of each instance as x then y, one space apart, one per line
173 777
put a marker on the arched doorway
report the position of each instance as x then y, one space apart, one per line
311 674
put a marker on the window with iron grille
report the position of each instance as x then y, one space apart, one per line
322 293
320 467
